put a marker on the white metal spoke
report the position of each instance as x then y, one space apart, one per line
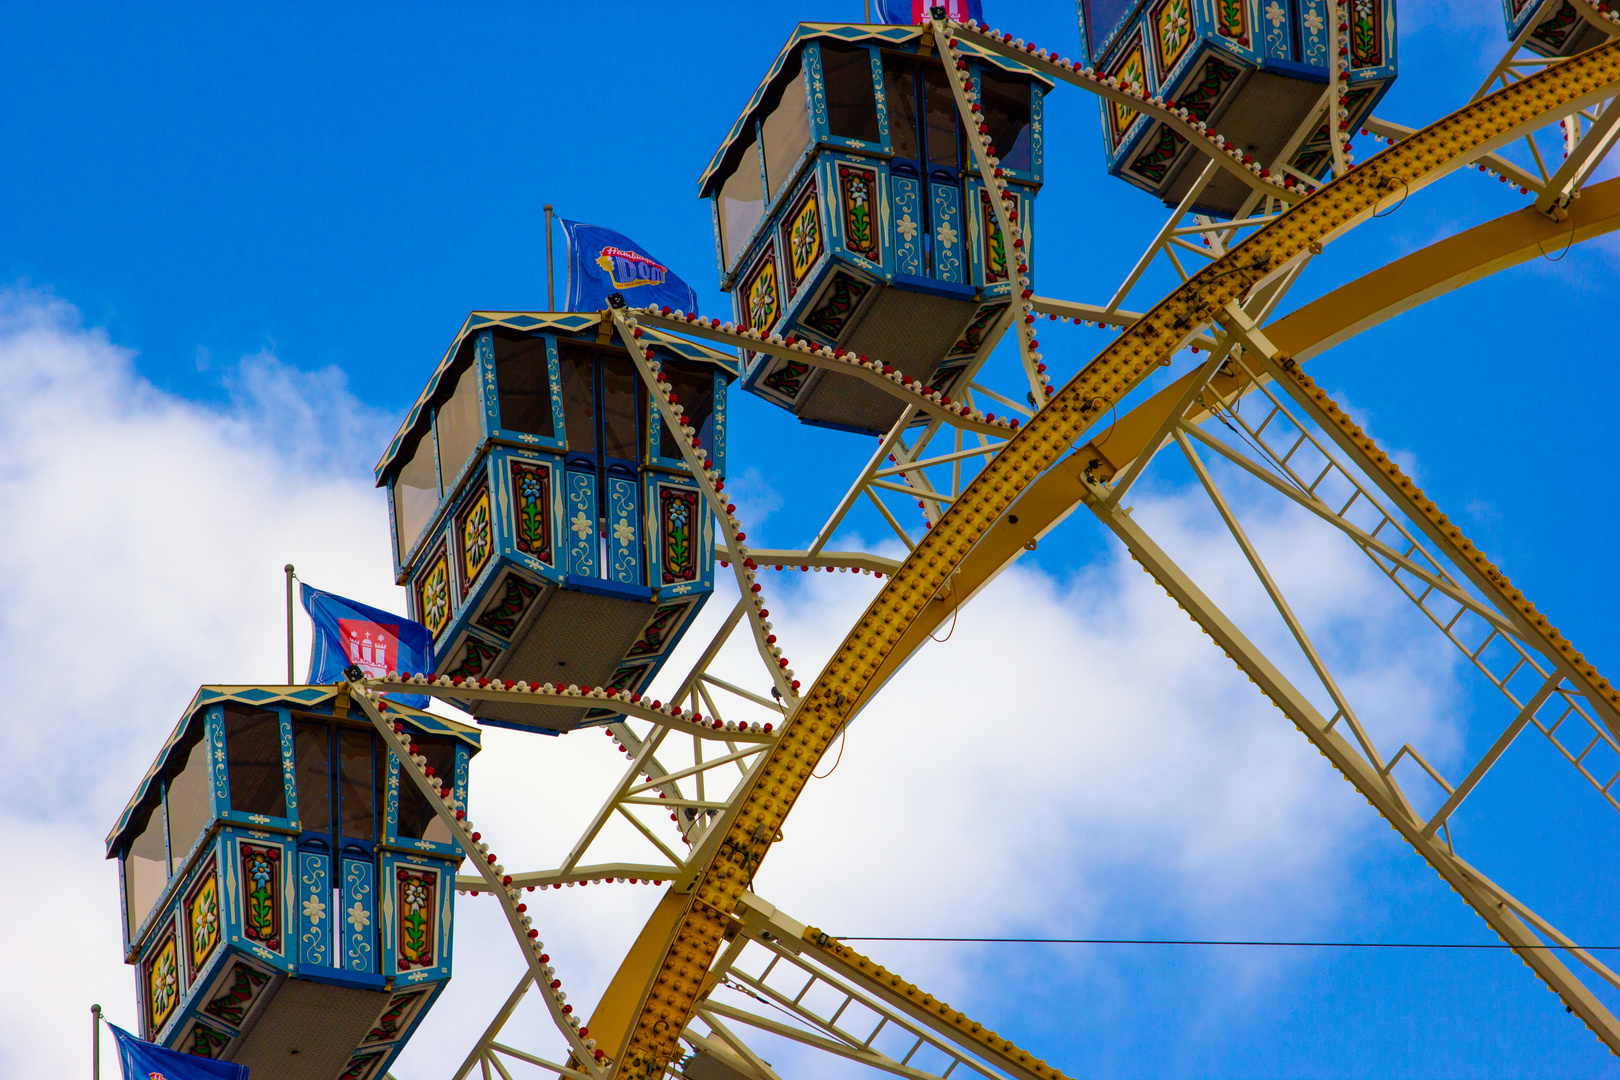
716 643
1502 72
873 372
1297 493
1490 757
1008 224
941 459
1295 627
411 767
606 873
638 766
1195 389
1542 926
531 1059
1168 229
704 766
1022 410
499 1065
888 516
652 837
1583 157
825 560
932 496
476 1055
858 488
731 688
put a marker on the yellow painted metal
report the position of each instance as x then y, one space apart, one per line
870 653
1376 297
966 1032
1484 896
1459 547
610 1021
1443 266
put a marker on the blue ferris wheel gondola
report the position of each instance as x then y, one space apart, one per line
1555 28
287 894
1257 71
847 213
545 524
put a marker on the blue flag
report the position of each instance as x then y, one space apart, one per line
149 1061
912 12
602 262
350 633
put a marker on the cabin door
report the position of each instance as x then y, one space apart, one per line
925 175
340 778
604 414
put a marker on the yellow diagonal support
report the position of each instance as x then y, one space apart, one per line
962 1030
1374 298
868 656
1422 509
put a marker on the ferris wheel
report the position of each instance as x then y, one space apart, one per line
875 210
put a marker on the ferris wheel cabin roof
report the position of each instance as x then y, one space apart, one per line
264 697
780 73
456 359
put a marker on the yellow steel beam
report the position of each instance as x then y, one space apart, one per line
870 654
1514 925
927 1008
610 1022
1422 509
1374 298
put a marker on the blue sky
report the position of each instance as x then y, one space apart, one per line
237 240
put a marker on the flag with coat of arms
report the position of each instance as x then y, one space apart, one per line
142 1060
349 632
912 12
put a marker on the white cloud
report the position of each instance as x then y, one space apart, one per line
1075 758
753 496
140 555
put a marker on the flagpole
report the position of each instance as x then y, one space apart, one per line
288 570
95 1042
551 288
868 12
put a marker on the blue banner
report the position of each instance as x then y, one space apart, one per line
148 1061
602 262
347 633
912 12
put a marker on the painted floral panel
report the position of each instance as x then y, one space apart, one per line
531 509
801 236
202 920
415 894
475 539
433 593
857 191
163 981
261 895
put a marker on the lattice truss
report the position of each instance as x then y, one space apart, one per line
966 492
